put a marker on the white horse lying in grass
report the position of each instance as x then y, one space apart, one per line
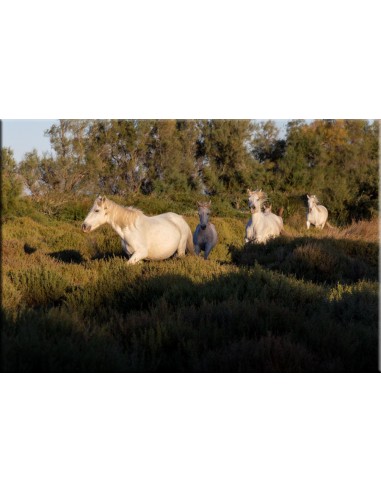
153 238
263 225
317 215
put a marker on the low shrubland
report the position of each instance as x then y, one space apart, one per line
306 301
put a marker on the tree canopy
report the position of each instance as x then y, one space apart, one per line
334 159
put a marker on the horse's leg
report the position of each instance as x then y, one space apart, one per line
208 249
182 246
308 224
137 256
197 249
124 247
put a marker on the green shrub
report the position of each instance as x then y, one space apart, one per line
71 303
323 260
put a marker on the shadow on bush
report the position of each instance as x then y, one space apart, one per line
250 321
68 256
29 249
107 255
322 260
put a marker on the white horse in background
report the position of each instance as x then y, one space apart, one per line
317 215
153 238
205 236
263 225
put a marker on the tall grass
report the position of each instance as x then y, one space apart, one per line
303 302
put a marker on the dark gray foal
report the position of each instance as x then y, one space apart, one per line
205 235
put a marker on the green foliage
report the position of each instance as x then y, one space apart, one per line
321 260
70 302
228 159
306 301
11 185
65 207
337 160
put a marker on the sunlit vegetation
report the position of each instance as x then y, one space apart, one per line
305 301
300 303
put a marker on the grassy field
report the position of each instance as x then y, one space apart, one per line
307 301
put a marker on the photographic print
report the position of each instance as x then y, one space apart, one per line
190 245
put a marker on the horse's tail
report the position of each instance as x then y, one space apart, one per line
330 225
190 246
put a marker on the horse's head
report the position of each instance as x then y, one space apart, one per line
312 200
97 215
256 198
203 213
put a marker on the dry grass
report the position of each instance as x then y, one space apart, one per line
307 301
362 230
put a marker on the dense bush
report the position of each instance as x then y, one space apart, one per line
300 303
154 163
306 301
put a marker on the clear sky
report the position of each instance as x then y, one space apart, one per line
25 135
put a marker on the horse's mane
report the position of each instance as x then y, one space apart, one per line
123 216
262 195
203 204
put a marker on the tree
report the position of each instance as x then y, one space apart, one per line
171 158
32 171
226 147
112 154
68 139
11 184
265 142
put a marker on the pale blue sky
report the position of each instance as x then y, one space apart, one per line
25 135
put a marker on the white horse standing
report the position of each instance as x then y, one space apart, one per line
154 238
263 225
205 236
317 215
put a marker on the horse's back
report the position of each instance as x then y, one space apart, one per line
161 235
263 227
175 219
272 224
276 219
169 218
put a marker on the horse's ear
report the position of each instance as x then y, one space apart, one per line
249 191
101 200
198 204
308 196
210 203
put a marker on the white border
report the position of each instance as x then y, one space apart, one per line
277 60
